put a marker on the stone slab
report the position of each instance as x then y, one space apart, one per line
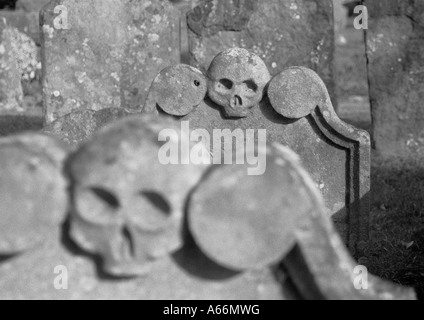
25 22
283 33
296 111
395 49
106 53
11 93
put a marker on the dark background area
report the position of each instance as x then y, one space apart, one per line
7 4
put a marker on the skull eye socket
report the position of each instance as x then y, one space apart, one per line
106 197
157 201
226 83
251 85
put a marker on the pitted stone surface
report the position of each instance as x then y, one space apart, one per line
25 22
294 93
33 191
26 17
237 80
77 127
212 17
283 33
11 93
177 90
106 53
395 47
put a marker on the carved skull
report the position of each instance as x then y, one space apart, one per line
237 79
127 206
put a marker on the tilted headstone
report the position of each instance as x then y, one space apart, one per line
131 211
104 53
11 93
395 47
282 33
293 108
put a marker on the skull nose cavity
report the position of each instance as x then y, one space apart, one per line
106 197
236 102
129 248
228 84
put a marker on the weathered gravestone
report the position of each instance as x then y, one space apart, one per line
283 33
101 54
25 22
340 20
146 221
293 108
19 66
395 67
26 17
11 93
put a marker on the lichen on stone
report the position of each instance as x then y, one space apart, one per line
26 54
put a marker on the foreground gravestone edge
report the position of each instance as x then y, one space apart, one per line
319 260
110 61
255 232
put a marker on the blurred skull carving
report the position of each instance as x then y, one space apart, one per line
127 206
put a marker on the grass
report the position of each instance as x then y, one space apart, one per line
396 250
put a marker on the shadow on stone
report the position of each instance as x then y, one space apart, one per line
272 115
193 261
73 248
5 258
12 124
